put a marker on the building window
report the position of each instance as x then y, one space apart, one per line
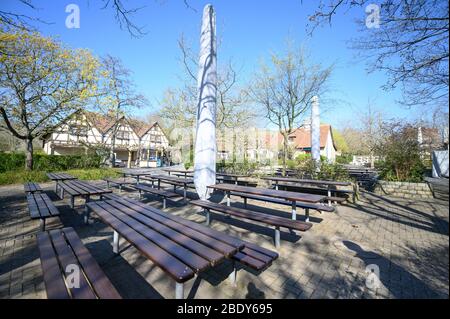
123 135
78 130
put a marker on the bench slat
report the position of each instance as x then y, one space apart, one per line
256 216
209 241
160 192
249 261
262 250
54 282
234 242
174 234
318 207
66 257
102 286
186 256
175 268
33 207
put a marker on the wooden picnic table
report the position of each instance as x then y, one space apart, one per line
57 177
292 197
82 189
180 247
174 181
137 174
232 176
328 184
182 171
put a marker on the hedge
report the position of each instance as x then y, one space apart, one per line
43 162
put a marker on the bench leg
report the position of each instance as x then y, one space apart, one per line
164 203
294 210
228 198
107 185
277 237
184 192
120 188
42 224
245 202
307 214
329 195
116 238
72 202
208 217
140 194
232 277
179 290
86 214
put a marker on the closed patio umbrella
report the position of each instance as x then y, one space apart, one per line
205 140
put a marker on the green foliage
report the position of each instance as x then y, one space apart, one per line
345 158
340 142
237 168
306 167
49 163
22 176
400 153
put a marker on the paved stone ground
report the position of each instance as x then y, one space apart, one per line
407 240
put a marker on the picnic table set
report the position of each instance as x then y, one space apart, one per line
181 248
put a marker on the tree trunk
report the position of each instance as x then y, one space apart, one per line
130 153
29 155
285 147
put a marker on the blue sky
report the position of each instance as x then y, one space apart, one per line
249 30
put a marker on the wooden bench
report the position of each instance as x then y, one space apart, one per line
164 194
180 247
306 206
77 188
336 199
69 269
32 187
118 182
267 219
41 207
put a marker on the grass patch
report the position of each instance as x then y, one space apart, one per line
22 176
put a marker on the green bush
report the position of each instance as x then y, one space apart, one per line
400 153
344 158
49 163
22 176
237 168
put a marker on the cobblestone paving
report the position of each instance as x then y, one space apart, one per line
407 240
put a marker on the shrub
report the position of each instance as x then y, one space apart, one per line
400 153
344 158
44 162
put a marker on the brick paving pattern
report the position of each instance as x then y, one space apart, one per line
406 239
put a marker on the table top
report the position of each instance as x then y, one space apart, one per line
305 181
180 247
173 179
231 175
60 176
139 173
174 170
76 187
291 196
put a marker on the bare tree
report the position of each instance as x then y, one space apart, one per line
117 96
285 88
372 130
180 105
41 85
410 45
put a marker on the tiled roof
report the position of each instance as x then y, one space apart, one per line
301 137
104 122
